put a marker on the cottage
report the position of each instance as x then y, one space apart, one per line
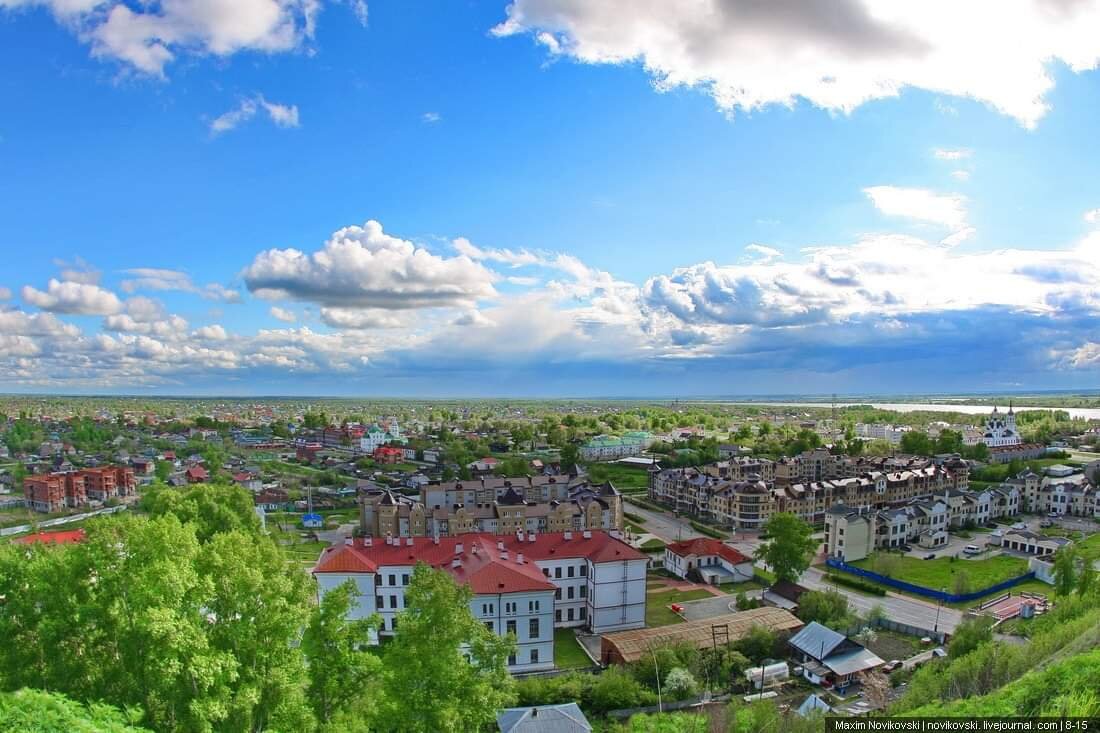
831 659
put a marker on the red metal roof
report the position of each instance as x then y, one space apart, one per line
707 546
487 563
52 538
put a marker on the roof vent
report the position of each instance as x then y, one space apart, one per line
456 563
368 542
409 542
458 548
519 557
568 535
435 540
519 535
587 534
504 555
500 545
349 541
531 537
389 540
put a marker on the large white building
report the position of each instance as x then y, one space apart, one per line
527 584
1000 429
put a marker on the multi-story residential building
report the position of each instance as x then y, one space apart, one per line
739 468
611 448
749 503
849 533
525 584
494 505
52 492
1063 490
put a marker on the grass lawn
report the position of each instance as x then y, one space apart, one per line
892 645
942 572
625 478
657 612
567 651
1089 549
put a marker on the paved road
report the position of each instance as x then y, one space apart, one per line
898 608
663 525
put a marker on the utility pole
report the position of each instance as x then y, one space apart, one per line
936 626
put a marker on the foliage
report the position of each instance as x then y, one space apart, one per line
35 711
211 508
1065 570
444 670
615 689
341 667
789 546
680 684
855 584
827 607
760 643
969 635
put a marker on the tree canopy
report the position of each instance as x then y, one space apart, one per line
789 547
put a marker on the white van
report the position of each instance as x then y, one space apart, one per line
972 550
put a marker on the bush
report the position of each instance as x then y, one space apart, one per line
615 689
707 530
680 684
855 584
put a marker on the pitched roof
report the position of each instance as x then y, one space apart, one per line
707 546
52 538
816 640
487 563
565 718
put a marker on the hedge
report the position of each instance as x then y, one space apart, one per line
855 584
707 530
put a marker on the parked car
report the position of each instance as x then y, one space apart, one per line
972 550
1019 525
892 665
1046 523
1052 515
905 548
930 556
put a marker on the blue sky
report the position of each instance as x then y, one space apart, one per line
547 197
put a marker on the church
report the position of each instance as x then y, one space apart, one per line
1000 429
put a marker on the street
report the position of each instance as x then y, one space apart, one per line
665 526
898 608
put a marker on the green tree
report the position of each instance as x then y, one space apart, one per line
341 669
570 456
1086 582
254 613
35 711
827 607
916 442
1065 570
211 508
163 471
758 644
969 635
443 670
789 547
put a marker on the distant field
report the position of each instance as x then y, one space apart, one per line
942 572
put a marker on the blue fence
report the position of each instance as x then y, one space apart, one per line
920 590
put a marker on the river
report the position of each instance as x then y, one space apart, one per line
1089 413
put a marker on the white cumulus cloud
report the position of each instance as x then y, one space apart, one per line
837 55
281 114
73 297
283 314
947 210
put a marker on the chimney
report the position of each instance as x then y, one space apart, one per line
587 534
534 712
389 540
503 554
531 537
519 557
368 542
456 563
409 542
458 548
568 535
435 540
349 541
519 535
500 545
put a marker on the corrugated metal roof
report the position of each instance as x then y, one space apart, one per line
566 718
816 640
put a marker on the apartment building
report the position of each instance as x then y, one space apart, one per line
526 584
493 506
53 492
740 468
749 503
1062 490
611 448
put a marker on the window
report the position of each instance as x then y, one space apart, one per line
571 571
534 656
584 613
546 572
557 615
557 594
393 580
379 602
405 579
510 627
570 593
393 601
584 591
570 614
557 572
533 629
489 625
393 624
511 660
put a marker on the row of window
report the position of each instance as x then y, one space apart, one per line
510 608
571 571
393 580
510 627
569 594
534 657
